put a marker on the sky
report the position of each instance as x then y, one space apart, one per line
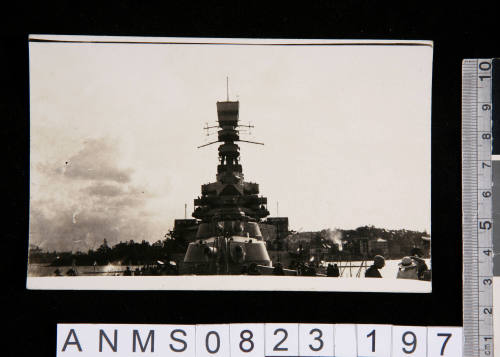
115 130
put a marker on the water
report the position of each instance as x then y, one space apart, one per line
38 270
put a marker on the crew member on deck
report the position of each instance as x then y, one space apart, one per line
333 270
372 271
278 269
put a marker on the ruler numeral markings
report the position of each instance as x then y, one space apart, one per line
486 309
477 193
485 135
486 193
487 282
484 66
485 225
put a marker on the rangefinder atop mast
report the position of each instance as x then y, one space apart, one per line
230 197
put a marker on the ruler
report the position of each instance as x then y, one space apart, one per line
476 207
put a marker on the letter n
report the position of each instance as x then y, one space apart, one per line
114 345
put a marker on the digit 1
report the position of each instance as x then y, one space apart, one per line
372 335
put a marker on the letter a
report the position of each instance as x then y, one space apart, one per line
75 342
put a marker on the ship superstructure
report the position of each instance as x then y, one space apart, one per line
228 237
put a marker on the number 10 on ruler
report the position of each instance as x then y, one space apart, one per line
258 340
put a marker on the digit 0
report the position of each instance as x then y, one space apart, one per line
484 66
207 340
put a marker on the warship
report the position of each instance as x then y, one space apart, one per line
226 236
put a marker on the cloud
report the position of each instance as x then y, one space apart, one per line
96 161
115 196
90 200
103 190
85 229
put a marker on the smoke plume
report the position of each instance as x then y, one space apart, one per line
334 236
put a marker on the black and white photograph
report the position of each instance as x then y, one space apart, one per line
230 164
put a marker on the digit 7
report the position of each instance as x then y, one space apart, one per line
448 336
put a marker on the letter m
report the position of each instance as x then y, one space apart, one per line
137 338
